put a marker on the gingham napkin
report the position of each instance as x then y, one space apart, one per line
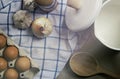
50 53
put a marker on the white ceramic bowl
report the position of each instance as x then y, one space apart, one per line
107 25
81 19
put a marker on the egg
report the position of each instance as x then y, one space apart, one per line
23 64
44 2
3 41
3 64
42 27
11 53
11 74
24 21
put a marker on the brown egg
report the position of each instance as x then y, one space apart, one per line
23 64
3 41
11 53
3 64
44 2
11 74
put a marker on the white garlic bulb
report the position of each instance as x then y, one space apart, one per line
42 27
22 19
29 5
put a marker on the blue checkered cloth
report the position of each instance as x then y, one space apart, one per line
50 53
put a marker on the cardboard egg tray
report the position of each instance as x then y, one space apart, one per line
28 74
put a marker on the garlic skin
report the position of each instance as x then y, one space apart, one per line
22 19
42 27
29 5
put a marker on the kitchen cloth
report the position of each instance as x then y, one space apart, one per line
52 52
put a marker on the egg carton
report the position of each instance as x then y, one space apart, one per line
28 74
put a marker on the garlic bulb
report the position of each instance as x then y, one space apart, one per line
22 19
29 5
42 27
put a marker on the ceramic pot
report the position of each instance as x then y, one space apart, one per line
80 14
107 26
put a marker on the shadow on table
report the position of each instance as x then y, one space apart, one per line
67 73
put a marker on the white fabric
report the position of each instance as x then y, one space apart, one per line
50 53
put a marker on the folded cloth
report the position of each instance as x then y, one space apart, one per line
4 3
52 52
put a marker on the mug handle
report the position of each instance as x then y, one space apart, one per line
105 2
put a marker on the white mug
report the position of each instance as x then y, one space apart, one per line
81 14
107 25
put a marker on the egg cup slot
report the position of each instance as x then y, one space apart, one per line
2 74
11 64
1 53
22 75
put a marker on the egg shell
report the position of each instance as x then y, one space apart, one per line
3 64
11 53
3 41
23 64
11 74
